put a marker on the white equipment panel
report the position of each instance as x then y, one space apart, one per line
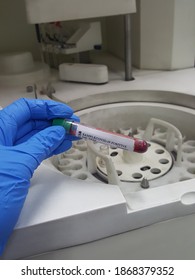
39 11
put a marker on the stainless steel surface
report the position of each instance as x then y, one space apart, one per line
128 60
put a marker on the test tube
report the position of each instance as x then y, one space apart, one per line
102 136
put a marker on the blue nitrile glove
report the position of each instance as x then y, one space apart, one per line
26 139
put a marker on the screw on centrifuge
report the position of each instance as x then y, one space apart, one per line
29 89
144 183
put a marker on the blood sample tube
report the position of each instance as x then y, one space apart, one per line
102 136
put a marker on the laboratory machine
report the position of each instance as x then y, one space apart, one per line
96 200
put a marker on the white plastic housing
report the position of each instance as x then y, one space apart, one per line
62 212
85 38
85 73
16 62
39 11
18 68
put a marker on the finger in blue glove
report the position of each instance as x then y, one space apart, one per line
26 139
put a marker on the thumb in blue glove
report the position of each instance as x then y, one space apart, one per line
26 139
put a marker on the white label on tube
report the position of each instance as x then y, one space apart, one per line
108 138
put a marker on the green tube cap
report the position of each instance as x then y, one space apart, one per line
62 122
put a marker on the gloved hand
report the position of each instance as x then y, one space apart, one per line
26 139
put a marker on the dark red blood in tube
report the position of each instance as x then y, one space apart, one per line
140 146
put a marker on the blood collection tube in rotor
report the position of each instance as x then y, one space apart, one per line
103 136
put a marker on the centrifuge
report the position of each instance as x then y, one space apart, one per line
98 201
